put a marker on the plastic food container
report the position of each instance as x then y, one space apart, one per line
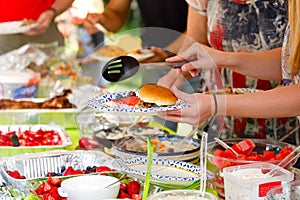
260 146
251 182
6 151
18 84
288 191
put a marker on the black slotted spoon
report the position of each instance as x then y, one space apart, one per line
124 67
120 68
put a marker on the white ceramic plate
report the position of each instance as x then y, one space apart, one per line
14 27
100 103
163 172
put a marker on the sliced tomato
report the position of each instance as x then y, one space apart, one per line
246 146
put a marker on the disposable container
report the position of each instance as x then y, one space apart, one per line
251 182
18 84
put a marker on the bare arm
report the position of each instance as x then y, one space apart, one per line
113 18
278 102
44 20
61 5
262 65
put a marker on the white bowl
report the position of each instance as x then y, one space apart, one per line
89 187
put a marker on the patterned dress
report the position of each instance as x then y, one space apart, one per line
246 26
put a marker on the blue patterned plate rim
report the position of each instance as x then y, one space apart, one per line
124 164
99 102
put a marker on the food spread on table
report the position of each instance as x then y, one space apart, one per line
42 150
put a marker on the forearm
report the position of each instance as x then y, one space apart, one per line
61 5
275 103
262 65
115 14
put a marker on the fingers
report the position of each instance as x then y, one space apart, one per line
89 22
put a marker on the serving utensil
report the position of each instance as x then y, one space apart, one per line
105 31
121 178
291 157
124 67
226 146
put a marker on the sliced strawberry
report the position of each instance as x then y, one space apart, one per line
103 169
123 195
133 187
54 181
43 188
15 174
136 197
123 187
53 194
68 171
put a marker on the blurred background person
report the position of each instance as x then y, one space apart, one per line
42 11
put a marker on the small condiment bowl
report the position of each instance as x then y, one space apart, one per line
91 187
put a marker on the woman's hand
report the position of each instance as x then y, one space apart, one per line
198 109
200 57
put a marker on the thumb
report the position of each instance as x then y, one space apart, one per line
179 94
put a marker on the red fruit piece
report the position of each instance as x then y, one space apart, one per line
15 174
123 195
123 187
68 171
246 146
236 148
136 197
54 181
268 155
43 188
53 194
87 143
133 187
103 169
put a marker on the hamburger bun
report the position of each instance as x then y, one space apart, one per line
161 96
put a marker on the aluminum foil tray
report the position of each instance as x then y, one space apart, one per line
37 165
6 151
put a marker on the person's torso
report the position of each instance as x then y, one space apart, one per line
257 25
16 10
